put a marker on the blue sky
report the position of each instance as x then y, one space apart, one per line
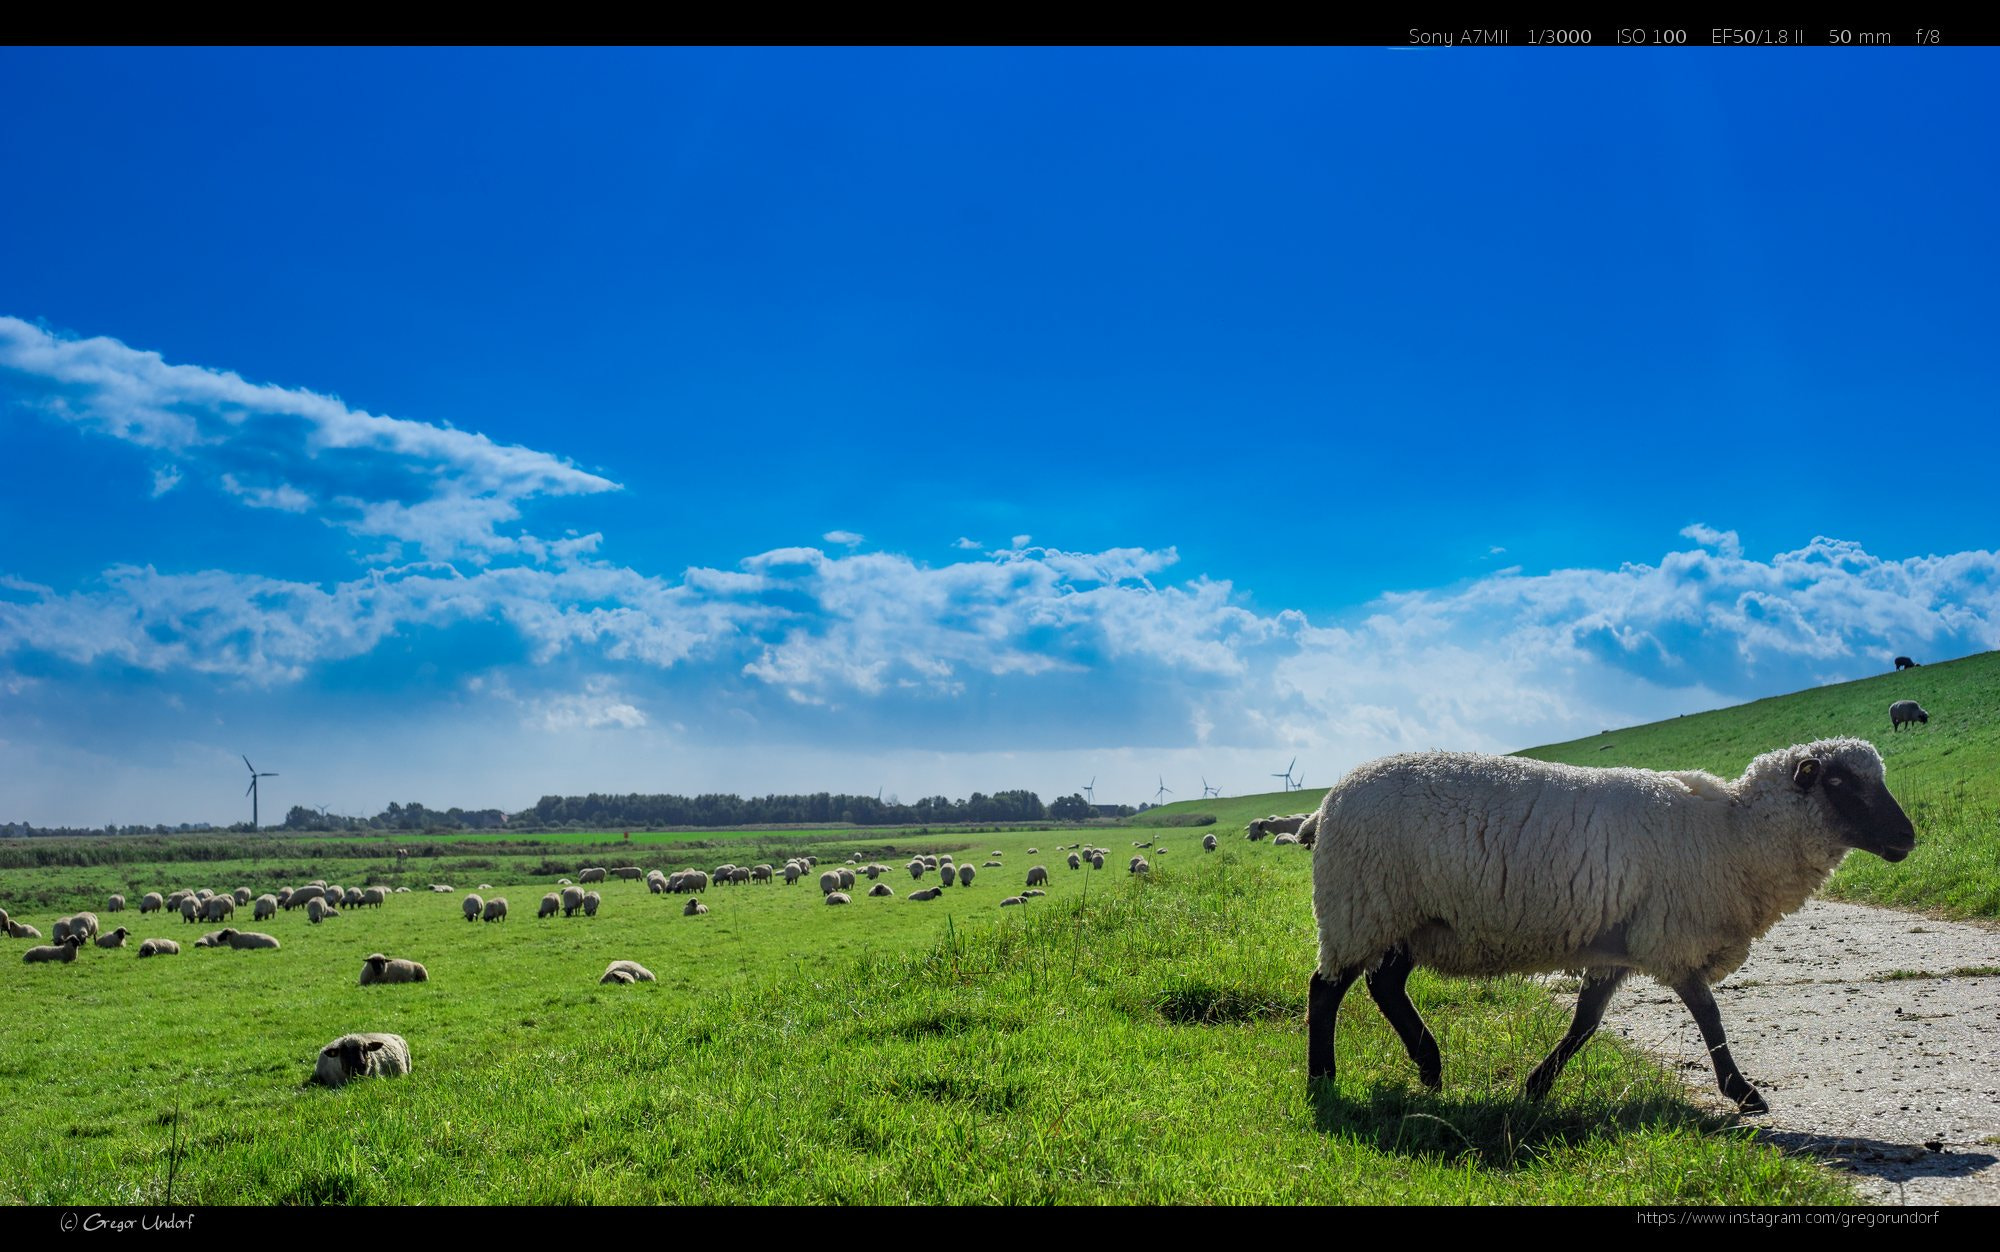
465 426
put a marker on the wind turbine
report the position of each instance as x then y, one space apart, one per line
1163 791
252 791
1207 791
1090 790
1287 775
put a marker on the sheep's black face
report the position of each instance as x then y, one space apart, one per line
1863 813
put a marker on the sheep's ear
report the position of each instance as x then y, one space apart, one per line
333 1051
1806 774
373 1044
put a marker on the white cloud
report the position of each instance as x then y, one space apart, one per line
448 490
165 479
967 545
1726 542
845 538
1022 541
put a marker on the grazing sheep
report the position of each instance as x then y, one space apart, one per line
551 905
218 908
1605 870
928 893
151 902
114 939
1907 711
965 873
829 882
245 940
1034 851
947 875
1208 843
1075 861
1903 662
351 898
496 910
116 904
1139 866
1010 900
916 868
881 889
376 968
65 951
695 880
375 897
159 947
792 875
590 902
839 897
472 906
21 930
203 894
84 924
242 895
1037 875
630 873
873 871
3 919
318 911
304 895
1097 862
628 971
572 900
588 876
266 906
693 908
362 1056
656 885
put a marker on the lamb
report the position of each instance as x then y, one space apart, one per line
551 905
115 939
627 972
1208 843
496 910
151 902
246 940
159 947
116 904
693 908
376 968
1037 875
1604 870
590 902
965 875
64 951
881 889
839 897
572 900
1903 662
928 893
362 1056
266 906
472 906
1903 711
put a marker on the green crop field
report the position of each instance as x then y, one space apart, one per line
1124 1039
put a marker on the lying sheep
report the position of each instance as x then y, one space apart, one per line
627 971
693 908
881 889
496 910
1605 870
839 897
65 951
928 893
114 939
1907 712
362 1056
472 906
246 940
213 939
1011 900
151 902
551 905
442 888
159 947
590 902
266 906
377 968
1032 894
1037 875
116 904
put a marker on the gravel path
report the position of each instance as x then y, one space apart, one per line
1892 1077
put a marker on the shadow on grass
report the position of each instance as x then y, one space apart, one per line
1499 1130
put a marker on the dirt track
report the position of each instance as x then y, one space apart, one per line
1895 1079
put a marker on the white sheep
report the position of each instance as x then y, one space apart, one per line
374 897
829 882
218 909
496 910
159 947
1479 865
265 906
84 924
1037 875
65 951
1012 900
572 900
628 971
591 875
151 902
630 873
1097 861
590 902
1138 865
916 867
116 904
472 906
551 905
839 897
881 889
241 895
21 930
362 1056
377 968
318 911
245 940
113 939
965 875
1907 713
1075 861
947 874
693 908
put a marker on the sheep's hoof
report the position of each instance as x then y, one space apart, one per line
1751 1103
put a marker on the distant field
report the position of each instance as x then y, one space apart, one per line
1122 1040
1946 773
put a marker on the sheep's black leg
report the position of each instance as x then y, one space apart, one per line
1386 985
1323 996
1695 994
1598 986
